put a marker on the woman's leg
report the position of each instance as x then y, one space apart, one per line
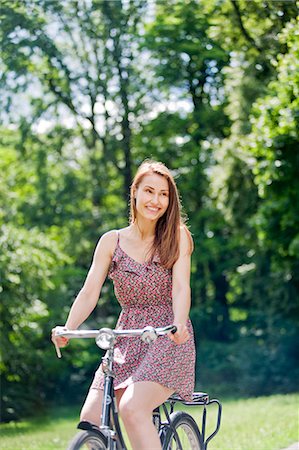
136 406
92 408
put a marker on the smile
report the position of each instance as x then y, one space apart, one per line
150 208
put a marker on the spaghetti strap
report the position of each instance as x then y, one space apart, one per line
116 245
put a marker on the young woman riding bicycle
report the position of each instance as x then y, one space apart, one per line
149 264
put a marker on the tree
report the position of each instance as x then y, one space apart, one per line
28 262
275 126
84 67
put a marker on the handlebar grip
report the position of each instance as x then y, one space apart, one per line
174 329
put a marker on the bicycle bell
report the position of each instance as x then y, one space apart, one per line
149 335
105 338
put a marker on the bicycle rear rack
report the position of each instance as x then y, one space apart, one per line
200 399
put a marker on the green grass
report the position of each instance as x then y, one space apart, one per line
264 423
49 432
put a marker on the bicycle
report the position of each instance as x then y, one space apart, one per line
178 431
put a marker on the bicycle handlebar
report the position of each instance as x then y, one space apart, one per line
105 337
86 334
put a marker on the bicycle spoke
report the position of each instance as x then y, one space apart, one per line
183 434
184 439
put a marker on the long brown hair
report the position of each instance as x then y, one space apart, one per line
167 233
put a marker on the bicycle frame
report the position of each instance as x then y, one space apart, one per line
109 409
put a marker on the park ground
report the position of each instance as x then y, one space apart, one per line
263 423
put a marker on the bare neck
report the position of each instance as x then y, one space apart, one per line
143 230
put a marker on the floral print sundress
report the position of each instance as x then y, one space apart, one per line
144 291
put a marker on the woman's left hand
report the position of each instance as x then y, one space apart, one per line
181 335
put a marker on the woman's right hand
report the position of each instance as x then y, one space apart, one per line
59 341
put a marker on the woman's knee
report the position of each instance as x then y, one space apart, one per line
130 412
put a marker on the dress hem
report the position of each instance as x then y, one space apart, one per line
128 382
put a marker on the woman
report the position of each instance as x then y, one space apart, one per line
149 263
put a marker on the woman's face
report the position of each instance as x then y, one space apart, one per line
152 197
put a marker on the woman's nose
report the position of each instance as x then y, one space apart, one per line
155 199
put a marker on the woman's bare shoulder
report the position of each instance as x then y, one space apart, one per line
108 241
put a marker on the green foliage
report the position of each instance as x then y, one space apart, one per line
275 126
28 262
270 158
261 361
92 88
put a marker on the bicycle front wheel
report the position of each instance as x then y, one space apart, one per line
183 434
89 440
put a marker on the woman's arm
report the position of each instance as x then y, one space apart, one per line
88 296
181 292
